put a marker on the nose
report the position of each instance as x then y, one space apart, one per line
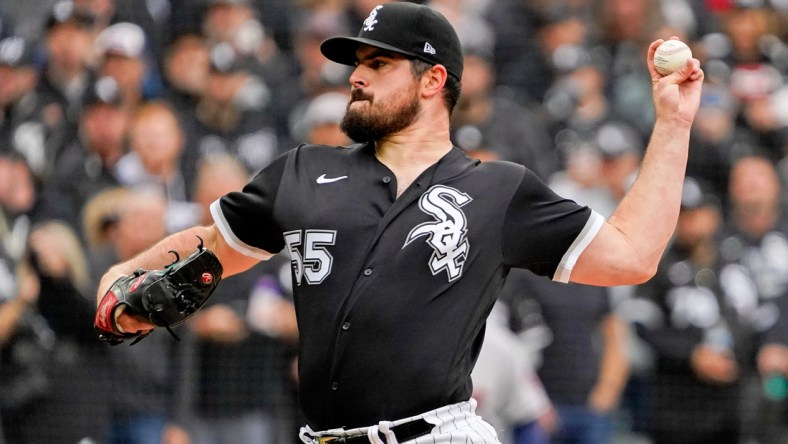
356 79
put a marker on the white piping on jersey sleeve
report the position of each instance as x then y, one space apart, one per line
230 237
587 234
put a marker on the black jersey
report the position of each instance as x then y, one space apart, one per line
392 293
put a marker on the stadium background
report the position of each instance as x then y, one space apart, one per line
120 120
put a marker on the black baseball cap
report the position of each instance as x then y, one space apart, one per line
409 29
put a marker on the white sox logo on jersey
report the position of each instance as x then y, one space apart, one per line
446 235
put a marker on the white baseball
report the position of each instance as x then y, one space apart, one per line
670 56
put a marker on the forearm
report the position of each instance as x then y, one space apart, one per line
11 311
614 370
648 213
159 255
628 248
10 314
615 363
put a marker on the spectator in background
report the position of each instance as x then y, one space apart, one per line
749 28
716 139
57 257
581 177
124 56
692 326
316 74
772 364
17 202
60 93
244 339
233 115
755 250
186 65
562 28
46 342
152 16
585 361
600 168
23 380
745 23
76 368
236 23
488 121
319 122
577 104
622 150
144 392
18 79
25 347
626 27
508 391
489 124
755 232
519 63
156 144
88 163
584 366
14 199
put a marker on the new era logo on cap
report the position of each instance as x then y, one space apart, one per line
410 29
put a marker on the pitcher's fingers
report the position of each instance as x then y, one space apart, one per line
131 324
697 73
652 48
691 67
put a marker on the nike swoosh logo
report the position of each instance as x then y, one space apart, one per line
323 179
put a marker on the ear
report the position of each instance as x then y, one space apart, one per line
433 81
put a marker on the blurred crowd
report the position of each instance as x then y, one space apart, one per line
122 120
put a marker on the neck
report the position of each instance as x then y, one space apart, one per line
410 155
418 146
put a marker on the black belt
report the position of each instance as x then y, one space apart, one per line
403 432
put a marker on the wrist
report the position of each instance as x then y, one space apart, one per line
673 124
109 278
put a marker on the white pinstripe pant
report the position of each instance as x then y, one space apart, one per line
454 424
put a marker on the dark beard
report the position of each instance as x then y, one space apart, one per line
370 126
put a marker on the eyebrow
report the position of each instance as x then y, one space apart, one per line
377 52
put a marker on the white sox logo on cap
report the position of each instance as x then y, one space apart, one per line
369 22
413 30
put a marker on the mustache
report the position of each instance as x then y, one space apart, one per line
359 94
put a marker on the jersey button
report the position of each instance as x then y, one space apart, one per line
386 179
368 272
346 326
334 385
